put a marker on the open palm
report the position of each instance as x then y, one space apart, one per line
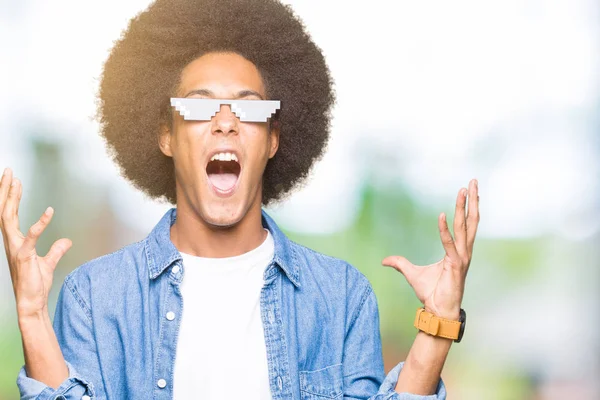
31 274
440 286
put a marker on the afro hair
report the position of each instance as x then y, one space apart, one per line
144 67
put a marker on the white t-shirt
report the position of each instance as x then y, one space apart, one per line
221 344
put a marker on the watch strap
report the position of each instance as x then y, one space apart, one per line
436 326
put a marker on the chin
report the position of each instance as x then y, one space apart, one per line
223 219
223 213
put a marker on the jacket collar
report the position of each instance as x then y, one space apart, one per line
161 252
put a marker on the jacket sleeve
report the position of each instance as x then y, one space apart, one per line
73 328
363 359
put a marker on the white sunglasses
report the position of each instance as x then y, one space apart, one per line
245 110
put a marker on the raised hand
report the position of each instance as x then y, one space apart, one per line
440 286
31 274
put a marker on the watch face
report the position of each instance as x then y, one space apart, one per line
463 320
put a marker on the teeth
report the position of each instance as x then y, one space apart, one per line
224 157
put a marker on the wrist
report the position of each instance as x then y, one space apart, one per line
452 315
26 319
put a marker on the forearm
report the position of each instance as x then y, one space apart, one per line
44 360
423 365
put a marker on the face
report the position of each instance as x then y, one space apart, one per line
220 191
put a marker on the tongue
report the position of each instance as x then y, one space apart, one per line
224 181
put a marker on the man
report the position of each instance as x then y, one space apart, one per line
220 107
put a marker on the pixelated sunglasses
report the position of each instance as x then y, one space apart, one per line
245 110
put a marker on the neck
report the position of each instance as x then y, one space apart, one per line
192 235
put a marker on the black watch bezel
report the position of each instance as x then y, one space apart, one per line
463 320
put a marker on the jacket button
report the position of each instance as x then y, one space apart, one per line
279 382
85 397
161 383
170 315
176 269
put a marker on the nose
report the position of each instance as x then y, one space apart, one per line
225 121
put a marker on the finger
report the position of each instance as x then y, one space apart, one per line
4 187
472 216
35 231
10 221
402 265
19 186
460 226
57 251
447 240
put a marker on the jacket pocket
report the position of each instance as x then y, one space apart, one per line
323 383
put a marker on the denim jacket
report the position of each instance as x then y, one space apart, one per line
319 313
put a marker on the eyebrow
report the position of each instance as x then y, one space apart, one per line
240 94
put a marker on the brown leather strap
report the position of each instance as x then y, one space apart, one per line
436 326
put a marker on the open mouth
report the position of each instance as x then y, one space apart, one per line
223 173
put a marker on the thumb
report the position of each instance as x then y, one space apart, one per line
402 265
58 249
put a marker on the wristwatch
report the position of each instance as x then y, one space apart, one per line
436 326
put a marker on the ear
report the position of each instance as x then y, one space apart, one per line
164 140
274 138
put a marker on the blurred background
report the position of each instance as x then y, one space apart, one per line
430 95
